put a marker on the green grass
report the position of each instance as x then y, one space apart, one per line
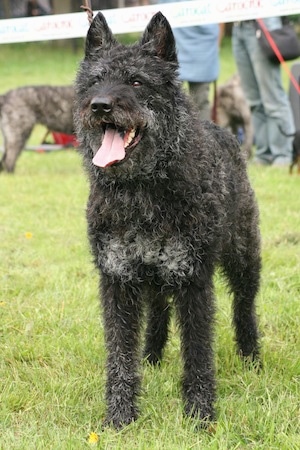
52 352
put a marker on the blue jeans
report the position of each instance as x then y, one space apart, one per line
268 101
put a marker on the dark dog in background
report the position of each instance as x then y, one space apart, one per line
22 108
296 149
232 111
169 201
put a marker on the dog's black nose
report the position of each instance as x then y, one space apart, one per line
101 105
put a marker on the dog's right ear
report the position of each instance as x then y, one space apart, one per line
98 37
160 36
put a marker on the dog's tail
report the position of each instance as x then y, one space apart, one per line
284 133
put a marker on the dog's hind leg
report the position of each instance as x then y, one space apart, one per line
194 304
10 157
157 327
122 311
242 265
14 142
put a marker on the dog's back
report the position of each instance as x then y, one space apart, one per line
51 106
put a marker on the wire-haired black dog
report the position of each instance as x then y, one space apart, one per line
169 201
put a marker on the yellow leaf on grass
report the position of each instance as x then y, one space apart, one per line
93 438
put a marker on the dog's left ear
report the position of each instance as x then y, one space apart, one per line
159 34
99 36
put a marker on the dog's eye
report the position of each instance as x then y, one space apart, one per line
96 80
136 83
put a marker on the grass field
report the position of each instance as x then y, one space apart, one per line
52 352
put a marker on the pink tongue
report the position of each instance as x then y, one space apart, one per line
111 150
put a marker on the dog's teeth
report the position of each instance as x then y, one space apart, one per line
128 137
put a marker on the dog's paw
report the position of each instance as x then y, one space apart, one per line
250 356
203 413
200 408
252 361
120 419
152 358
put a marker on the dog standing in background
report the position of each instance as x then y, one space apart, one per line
24 107
232 111
169 201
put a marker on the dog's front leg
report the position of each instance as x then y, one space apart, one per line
195 310
122 313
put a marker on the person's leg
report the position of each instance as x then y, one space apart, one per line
273 110
200 95
242 54
276 107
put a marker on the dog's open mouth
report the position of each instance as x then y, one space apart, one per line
116 144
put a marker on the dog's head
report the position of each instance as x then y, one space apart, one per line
123 91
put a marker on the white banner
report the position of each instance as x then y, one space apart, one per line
135 19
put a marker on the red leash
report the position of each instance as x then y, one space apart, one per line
278 54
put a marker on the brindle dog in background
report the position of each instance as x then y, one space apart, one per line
232 111
24 107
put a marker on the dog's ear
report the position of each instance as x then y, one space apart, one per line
99 36
159 34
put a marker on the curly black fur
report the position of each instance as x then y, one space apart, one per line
162 217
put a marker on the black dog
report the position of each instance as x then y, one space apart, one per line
169 201
296 149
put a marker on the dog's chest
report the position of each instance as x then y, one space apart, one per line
145 256
137 236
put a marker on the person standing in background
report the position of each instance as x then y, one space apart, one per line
263 88
198 57
38 8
